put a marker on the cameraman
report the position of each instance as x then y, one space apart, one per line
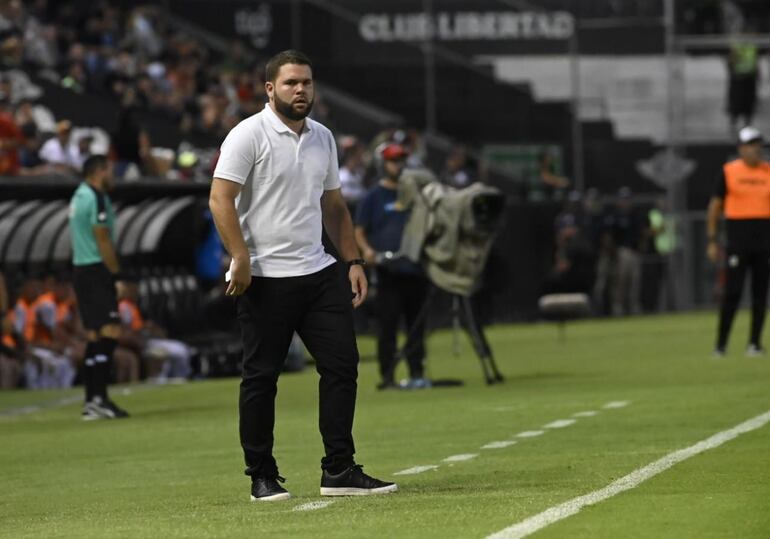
402 286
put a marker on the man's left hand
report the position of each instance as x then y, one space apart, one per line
358 284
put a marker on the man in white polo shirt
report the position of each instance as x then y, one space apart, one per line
275 185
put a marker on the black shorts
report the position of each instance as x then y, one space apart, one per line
95 292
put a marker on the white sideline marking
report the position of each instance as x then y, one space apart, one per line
529 433
632 480
588 413
461 458
560 424
616 404
416 470
498 445
66 401
312 506
32 408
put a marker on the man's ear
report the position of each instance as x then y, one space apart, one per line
269 88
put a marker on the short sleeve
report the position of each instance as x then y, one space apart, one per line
364 212
720 190
237 156
332 180
99 210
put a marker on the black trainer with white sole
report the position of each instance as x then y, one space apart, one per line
354 482
97 408
267 489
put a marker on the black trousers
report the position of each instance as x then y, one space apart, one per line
738 263
400 294
318 308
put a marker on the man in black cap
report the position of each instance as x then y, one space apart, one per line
743 195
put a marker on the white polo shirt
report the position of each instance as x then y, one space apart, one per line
283 177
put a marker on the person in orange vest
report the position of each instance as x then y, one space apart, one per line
150 339
743 196
45 366
44 308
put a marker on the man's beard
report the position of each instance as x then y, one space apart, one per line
287 109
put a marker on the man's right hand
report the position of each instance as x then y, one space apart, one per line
712 250
240 276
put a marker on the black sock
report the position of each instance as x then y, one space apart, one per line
89 370
105 348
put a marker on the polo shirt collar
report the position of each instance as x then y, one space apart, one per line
278 125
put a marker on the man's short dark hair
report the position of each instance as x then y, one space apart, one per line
290 56
94 163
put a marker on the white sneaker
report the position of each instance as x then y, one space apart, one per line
755 351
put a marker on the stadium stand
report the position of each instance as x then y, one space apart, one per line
158 86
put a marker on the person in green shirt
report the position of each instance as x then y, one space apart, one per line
96 267
743 64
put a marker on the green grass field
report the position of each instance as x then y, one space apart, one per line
175 468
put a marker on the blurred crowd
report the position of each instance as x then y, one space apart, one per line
134 58
146 67
42 340
615 251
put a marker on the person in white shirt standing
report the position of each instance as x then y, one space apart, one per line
275 184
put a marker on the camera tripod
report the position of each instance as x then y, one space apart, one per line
462 311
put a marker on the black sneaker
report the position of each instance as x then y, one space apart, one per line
118 412
97 408
353 482
267 489
387 384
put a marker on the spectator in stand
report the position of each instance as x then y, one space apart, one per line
235 59
150 339
457 172
11 33
126 138
33 120
11 140
29 153
29 113
59 152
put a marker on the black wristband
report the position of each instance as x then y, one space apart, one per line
356 262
